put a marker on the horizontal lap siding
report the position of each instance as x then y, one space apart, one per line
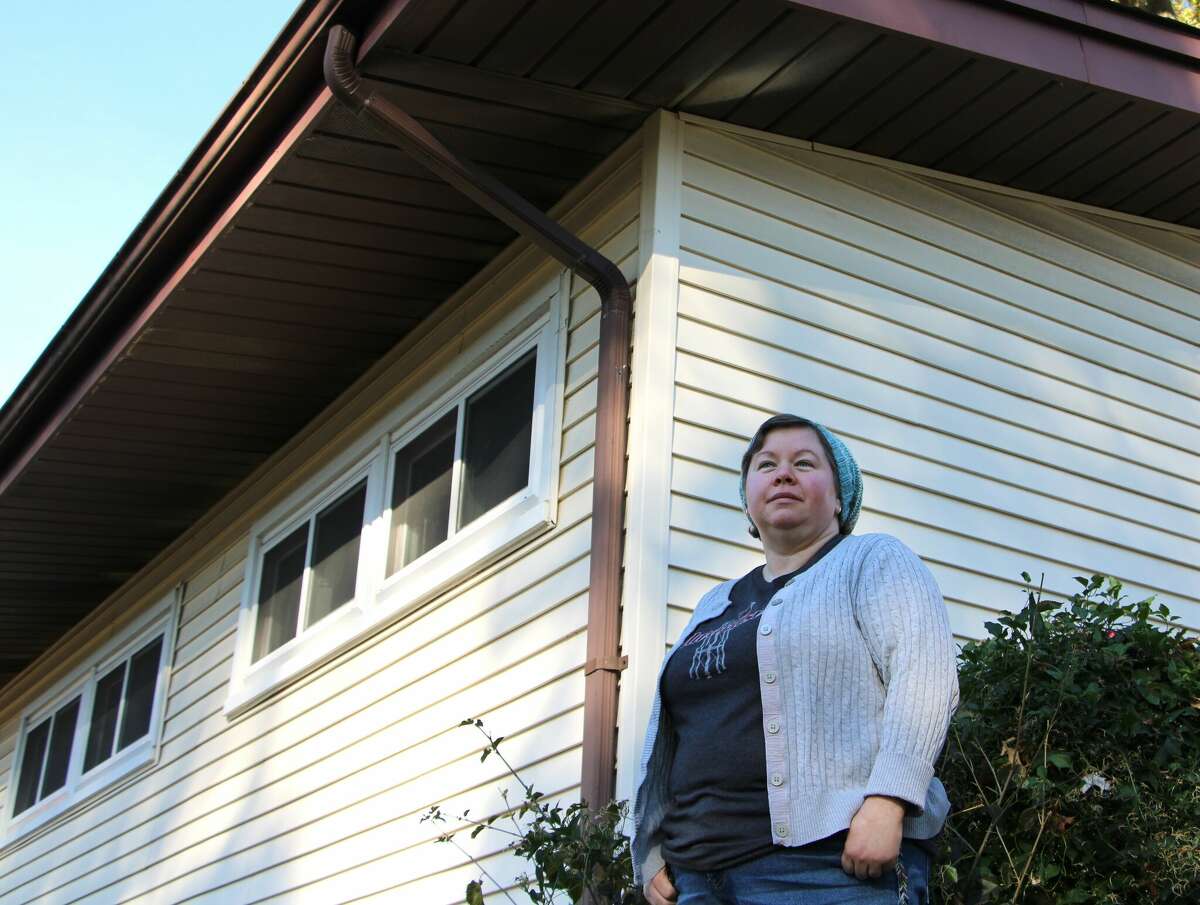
8 751
1019 382
317 794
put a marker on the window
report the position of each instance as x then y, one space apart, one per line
421 493
303 582
47 757
491 451
124 697
97 727
457 476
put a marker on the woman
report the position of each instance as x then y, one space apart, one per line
790 752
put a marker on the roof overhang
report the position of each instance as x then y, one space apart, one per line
1089 42
294 248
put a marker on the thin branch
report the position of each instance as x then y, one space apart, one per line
483 870
1007 853
487 826
960 812
1000 787
512 813
965 841
495 749
1028 662
1043 819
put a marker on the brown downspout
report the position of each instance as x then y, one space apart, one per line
604 662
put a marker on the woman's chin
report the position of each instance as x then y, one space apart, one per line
794 533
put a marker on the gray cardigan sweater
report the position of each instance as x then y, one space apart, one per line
858 679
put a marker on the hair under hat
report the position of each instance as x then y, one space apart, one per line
846 475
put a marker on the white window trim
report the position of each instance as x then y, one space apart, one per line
345 622
160 620
381 599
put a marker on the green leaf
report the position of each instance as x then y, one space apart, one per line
474 893
1060 759
1150 693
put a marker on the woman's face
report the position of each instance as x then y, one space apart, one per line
790 487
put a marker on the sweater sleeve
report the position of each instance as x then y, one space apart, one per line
907 631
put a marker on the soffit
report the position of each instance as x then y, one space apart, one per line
902 92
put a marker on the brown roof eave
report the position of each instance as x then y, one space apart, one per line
1090 41
267 101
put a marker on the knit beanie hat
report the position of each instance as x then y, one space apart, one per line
847 478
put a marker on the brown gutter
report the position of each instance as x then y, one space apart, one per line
604 662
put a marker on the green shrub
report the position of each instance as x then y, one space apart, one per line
1073 762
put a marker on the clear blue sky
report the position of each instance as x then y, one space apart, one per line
102 103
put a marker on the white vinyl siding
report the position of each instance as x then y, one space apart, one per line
315 795
1019 381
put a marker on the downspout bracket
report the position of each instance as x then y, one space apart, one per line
610 664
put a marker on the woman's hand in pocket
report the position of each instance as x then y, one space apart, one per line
873 841
660 890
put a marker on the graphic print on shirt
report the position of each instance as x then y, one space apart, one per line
708 659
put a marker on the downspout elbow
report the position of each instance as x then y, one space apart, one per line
340 73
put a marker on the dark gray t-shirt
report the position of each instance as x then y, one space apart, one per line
718 815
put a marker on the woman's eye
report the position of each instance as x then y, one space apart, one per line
805 463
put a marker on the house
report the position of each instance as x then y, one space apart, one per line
309 476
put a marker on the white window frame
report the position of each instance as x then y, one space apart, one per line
380 599
343 622
160 621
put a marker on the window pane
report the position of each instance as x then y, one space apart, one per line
497 431
279 592
421 493
31 766
335 554
62 736
139 693
105 707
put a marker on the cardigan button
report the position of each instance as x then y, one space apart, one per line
766 629
769 678
773 726
776 779
781 830
776 602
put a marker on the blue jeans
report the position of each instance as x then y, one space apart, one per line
807 875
